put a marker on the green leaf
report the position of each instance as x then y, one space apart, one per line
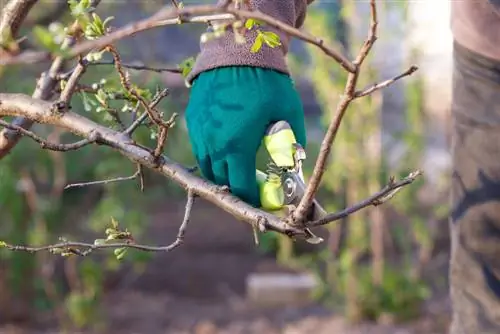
271 39
114 223
251 23
120 252
257 45
186 66
45 38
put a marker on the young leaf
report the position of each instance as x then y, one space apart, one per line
114 223
186 66
45 38
120 252
257 44
271 39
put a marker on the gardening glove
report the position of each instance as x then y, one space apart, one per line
227 116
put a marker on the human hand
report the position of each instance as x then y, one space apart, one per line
227 116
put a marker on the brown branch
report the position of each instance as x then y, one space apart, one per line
298 216
48 145
75 248
196 14
162 138
376 199
386 83
44 89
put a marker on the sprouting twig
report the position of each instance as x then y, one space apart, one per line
158 97
376 199
125 81
116 179
386 83
75 247
48 145
162 137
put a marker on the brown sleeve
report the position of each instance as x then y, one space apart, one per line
301 11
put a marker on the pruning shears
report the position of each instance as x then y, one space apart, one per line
283 184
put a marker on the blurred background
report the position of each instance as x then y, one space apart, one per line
382 270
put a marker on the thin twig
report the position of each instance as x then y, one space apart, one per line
157 99
376 199
162 138
116 179
74 247
48 145
139 67
386 83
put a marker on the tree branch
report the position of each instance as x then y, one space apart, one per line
386 83
376 199
197 14
67 248
42 112
48 145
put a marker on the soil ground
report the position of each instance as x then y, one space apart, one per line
200 288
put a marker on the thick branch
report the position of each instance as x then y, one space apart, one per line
42 112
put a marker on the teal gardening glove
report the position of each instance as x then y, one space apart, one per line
227 116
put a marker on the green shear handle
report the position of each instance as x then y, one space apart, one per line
283 184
